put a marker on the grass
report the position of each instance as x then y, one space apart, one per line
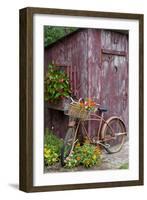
124 166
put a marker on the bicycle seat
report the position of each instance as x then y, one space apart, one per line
102 109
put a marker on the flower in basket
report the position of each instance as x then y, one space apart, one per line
88 104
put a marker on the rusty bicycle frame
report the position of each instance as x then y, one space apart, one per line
99 138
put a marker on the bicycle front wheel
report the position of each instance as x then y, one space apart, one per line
114 132
68 144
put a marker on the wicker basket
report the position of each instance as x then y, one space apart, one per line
76 111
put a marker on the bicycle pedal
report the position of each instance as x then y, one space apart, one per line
94 141
107 145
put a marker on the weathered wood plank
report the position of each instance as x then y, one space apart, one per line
114 52
97 61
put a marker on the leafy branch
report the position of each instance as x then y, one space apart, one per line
56 84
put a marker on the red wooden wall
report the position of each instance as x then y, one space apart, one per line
97 61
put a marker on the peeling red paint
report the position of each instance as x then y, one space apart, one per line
97 61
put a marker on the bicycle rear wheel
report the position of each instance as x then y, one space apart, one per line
114 132
68 144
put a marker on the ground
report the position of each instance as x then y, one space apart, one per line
118 160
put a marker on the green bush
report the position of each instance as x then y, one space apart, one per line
50 156
52 146
54 33
56 85
87 155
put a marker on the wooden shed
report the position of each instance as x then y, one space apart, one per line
96 60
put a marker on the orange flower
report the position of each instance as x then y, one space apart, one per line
81 104
78 158
93 103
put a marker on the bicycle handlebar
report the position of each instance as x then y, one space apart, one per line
73 101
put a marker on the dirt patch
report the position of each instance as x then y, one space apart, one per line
116 160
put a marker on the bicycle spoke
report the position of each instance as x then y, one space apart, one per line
119 134
114 135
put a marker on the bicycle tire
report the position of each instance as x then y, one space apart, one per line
68 144
112 138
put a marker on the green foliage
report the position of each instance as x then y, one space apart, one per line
71 161
87 155
50 155
124 166
51 33
52 146
56 85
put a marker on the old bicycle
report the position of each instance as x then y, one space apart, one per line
110 133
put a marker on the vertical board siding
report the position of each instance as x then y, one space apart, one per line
71 53
114 75
96 62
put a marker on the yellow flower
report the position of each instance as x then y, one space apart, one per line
87 141
97 151
94 157
87 162
78 144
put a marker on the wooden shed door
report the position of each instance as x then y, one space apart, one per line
114 84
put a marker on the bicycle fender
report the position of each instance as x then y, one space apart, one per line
105 125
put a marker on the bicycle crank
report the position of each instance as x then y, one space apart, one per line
102 144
